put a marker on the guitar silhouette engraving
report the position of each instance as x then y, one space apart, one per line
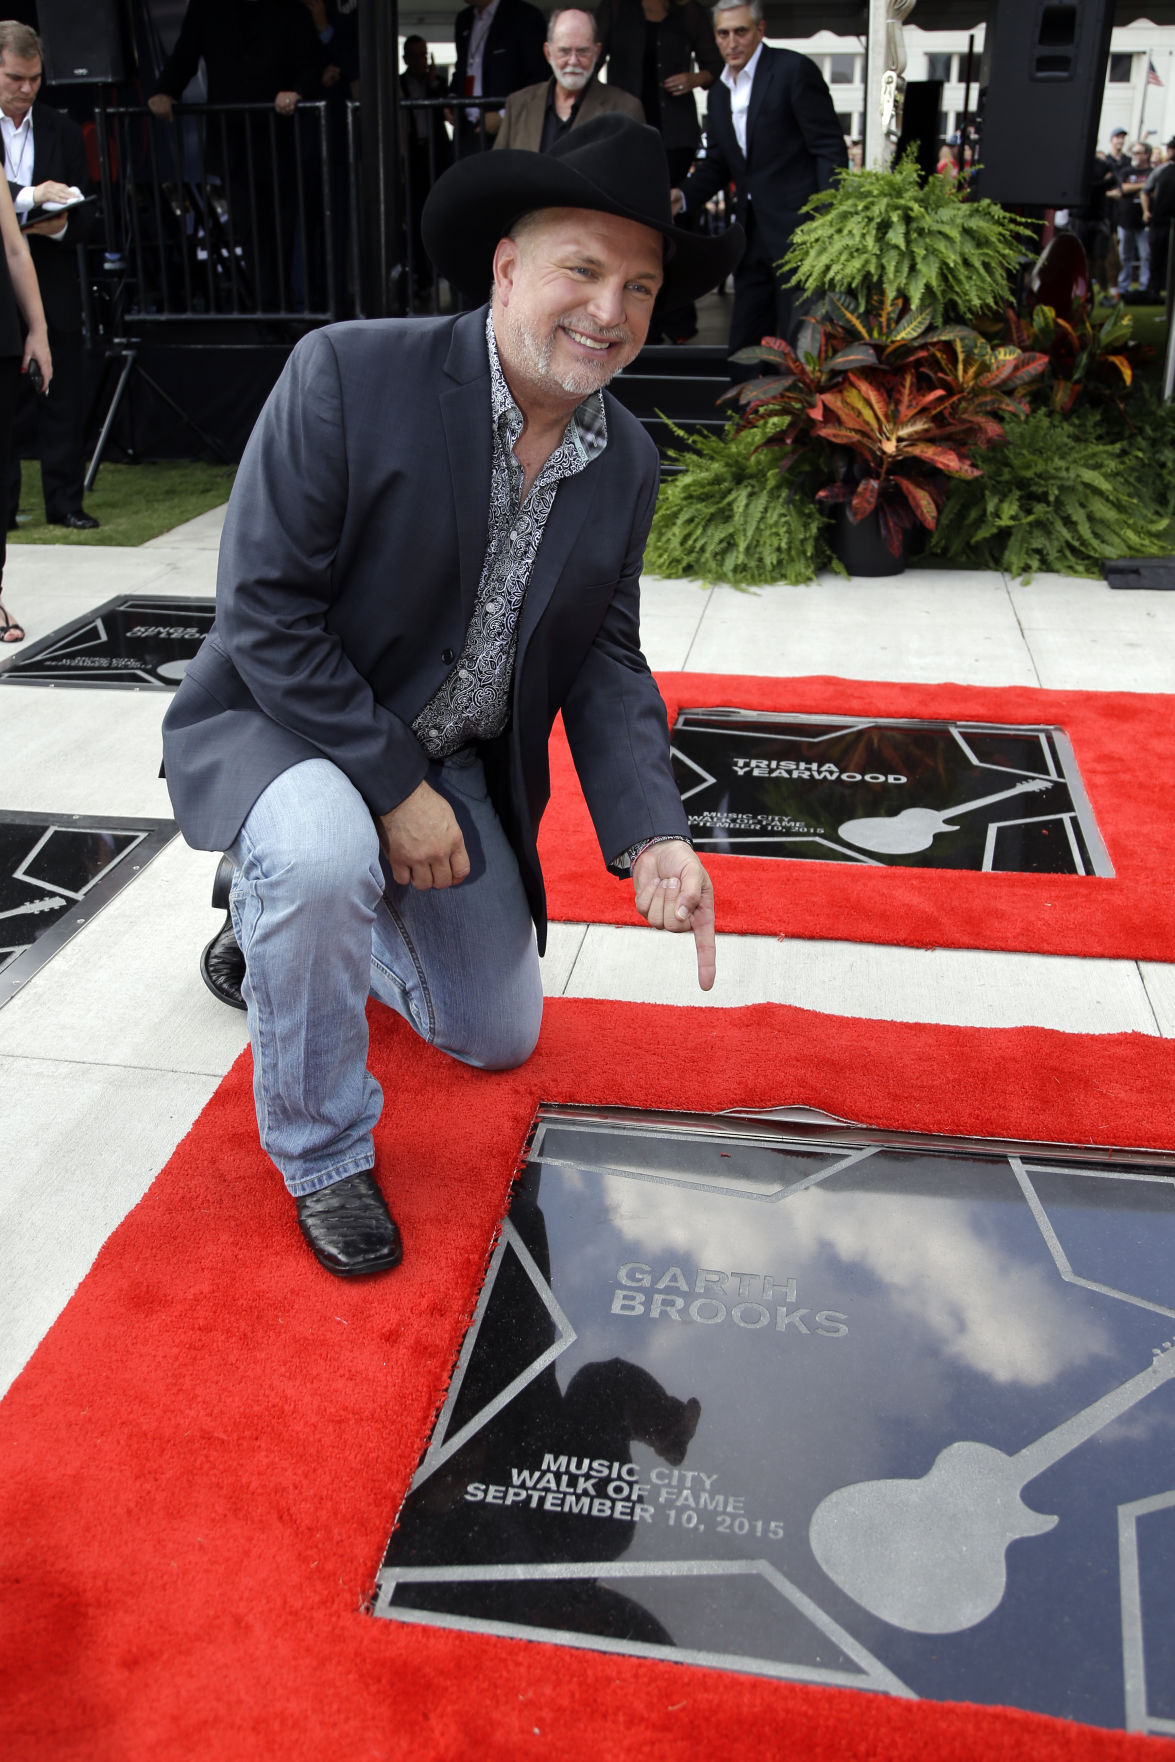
915 829
928 1555
46 903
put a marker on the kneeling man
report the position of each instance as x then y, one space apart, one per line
433 547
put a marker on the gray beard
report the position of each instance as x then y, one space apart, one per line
580 380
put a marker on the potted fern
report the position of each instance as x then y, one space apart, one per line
887 393
926 243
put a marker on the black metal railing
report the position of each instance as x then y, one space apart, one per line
223 211
231 212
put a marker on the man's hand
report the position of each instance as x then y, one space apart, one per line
51 191
676 201
161 105
674 892
422 841
47 228
286 103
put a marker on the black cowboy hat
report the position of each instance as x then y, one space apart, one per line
611 165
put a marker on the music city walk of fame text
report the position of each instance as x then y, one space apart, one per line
593 1487
791 770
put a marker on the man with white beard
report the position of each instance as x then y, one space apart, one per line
538 116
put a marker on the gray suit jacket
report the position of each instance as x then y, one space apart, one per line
349 564
522 124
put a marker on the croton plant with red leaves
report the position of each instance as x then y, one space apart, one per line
882 409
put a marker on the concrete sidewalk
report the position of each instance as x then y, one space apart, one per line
110 1052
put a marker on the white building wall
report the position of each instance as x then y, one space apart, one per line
1129 101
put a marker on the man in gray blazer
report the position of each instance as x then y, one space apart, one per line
538 116
433 547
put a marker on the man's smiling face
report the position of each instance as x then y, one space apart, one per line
573 295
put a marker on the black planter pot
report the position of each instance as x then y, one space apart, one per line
861 548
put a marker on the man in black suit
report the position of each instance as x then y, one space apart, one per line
772 132
433 548
45 156
499 50
254 52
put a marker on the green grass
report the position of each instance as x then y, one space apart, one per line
133 502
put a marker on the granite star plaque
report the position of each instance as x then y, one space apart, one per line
136 641
790 1398
940 795
56 871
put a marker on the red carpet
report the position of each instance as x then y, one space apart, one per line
202 1461
1121 740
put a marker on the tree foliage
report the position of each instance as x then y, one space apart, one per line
887 231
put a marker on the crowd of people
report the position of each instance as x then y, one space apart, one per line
521 80
1126 223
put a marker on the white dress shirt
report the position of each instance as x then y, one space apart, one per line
19 155
18 158
739 85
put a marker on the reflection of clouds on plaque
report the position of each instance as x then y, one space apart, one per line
135 640
767 1321
1004 1317
904 793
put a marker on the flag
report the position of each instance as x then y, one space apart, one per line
1152 78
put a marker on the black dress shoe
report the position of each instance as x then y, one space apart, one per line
222 966
350 1228
78 522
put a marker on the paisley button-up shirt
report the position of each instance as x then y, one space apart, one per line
473 702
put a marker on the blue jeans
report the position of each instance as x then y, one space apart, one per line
1134 246
323 925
